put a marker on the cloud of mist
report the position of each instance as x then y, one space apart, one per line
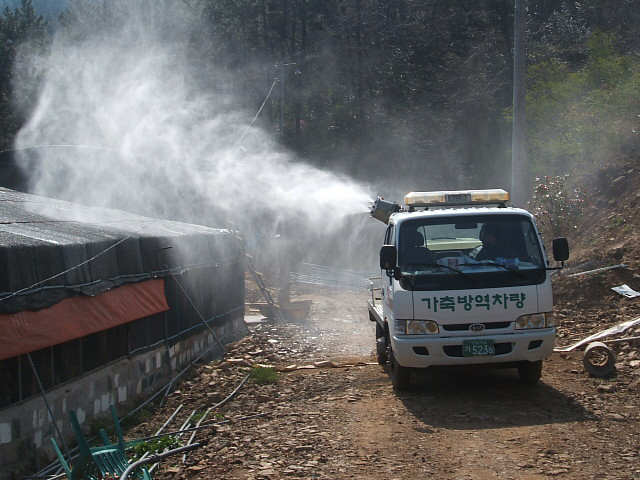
158 132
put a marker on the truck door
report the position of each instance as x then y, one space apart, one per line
387 282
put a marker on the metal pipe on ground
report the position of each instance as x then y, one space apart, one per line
156 458
146 454
217 405
598 270
206 425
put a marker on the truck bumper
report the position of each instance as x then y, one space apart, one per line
423 351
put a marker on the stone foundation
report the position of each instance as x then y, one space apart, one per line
25 428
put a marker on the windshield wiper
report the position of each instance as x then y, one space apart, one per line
511 269
438 265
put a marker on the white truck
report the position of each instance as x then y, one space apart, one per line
465 280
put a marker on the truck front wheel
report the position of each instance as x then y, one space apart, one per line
381 345
400 376
530 372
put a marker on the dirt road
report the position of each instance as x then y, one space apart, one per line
340 418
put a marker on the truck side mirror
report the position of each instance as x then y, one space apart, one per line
560 249
388 259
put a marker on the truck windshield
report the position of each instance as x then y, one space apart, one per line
475 251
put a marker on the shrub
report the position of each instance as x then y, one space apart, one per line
579 119
154 446
264 375
556 208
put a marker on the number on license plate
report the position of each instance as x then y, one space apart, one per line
477 348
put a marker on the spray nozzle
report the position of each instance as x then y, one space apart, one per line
382 209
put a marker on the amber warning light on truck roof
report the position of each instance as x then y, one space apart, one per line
456 197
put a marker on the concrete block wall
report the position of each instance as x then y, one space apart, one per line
25 428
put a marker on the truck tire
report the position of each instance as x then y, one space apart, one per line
400 376
530 372
381 351
381 345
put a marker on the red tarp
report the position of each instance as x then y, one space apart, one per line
76 317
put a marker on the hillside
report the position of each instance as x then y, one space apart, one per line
606 235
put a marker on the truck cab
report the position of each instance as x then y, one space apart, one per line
464 280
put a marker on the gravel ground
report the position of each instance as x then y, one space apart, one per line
332 412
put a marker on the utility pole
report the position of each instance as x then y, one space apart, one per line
519 164
280 65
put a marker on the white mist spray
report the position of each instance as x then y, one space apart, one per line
166 131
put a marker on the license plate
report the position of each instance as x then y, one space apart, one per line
478 348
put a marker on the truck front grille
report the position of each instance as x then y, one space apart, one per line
460 327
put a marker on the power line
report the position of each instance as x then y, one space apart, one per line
189 5
259 110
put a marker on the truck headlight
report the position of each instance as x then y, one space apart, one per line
535 320
421 327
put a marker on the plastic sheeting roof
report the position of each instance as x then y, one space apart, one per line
52 249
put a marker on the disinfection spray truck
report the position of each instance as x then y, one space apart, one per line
465 280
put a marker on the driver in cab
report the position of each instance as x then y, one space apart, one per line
493 244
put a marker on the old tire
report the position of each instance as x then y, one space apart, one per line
530 372
400 376
599 360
